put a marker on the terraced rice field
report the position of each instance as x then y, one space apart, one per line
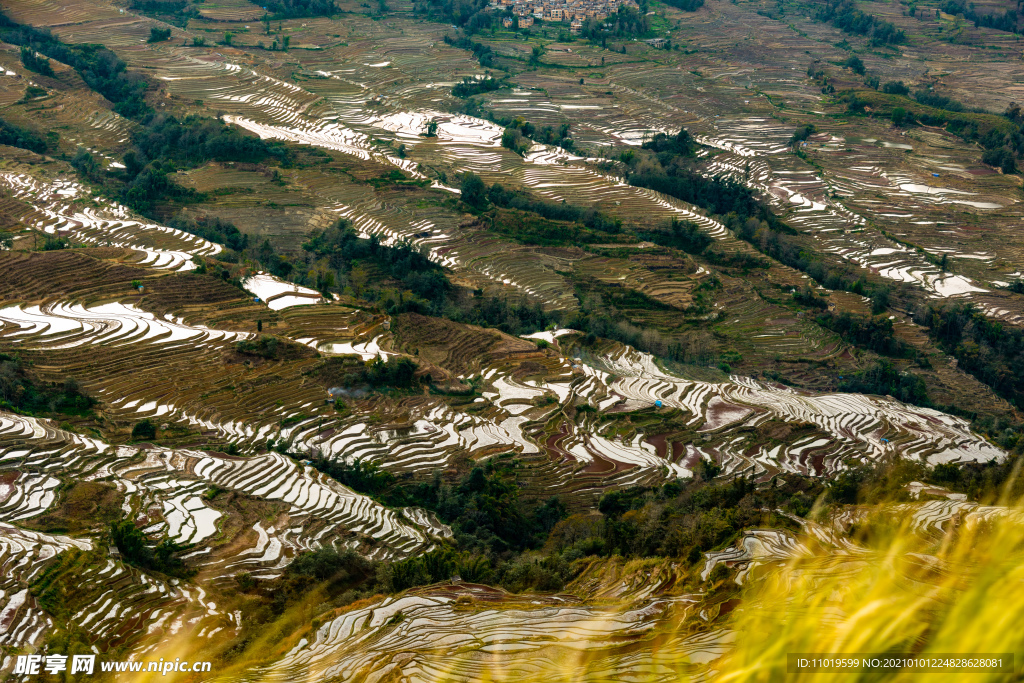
63 326
164 489
328 110
754 153
24 554
229 472
865 428
63 208
425 433
464 632
279 294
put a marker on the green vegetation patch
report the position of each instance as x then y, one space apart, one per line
272 347
484 507
884 379
165 144
81 506
349 376
22 393
132 544
175 12
875 333
528 228
99 67
19 136
844 15
986 348
291 9
476 86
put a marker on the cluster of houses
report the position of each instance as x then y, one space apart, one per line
572 12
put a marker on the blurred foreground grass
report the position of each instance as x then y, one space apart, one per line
895 591
881 586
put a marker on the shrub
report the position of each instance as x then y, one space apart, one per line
20 392
855 64
284 9
157 35
132 544
274 348
329 563
885 379
475 86
802 133
33 62
895 88
143 430
17 136
474 192
683 235
56 243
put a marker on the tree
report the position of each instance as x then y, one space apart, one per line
56 243
144 429
895 88
266 253
432 129
879 300
158 35
16 136
1001 157
473 190
358 277
71 386
707 469
130 540
802 133
86 163
34 62
855 64
513 140
899 116
1013 112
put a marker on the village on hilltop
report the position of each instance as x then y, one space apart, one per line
573 12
